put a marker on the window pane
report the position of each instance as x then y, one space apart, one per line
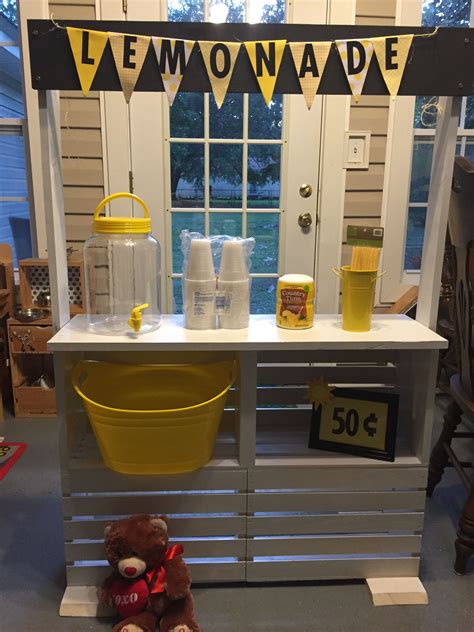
12 165
226 122
426 116
421 170
187 116
177 297
186 10
226 224
263 190
187 175
266 11
265 227
415 236
446 12
469 121
265 122
226 11
263 296
194 222
11 88
225 176
15 228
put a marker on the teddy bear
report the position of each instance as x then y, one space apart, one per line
150 583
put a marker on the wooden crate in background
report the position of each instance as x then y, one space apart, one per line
34 279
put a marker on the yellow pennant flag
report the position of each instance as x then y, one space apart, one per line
129 53
87 49
310 60
219 58
265 58
392 55
173 56
355 56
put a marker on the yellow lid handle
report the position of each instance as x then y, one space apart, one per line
135 320
123 194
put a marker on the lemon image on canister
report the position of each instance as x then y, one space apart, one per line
295 301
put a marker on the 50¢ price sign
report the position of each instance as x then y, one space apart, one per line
358 422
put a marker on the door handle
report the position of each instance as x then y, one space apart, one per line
305 220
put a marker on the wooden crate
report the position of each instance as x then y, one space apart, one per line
34 279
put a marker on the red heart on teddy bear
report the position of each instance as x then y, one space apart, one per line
130 598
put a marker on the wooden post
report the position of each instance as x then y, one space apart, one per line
437 213
54 206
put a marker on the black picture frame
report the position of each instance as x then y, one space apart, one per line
386 454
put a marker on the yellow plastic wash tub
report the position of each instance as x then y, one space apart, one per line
154 419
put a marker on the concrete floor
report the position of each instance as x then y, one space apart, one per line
32 572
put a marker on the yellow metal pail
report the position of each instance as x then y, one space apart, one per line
154 419
358 291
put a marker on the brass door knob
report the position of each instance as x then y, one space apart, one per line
306 190
305 220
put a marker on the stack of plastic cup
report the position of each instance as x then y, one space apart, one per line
200 287
233 285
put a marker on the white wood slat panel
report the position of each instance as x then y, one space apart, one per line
363 204
368 118
276 395
380 8
344 357
77 94
80 113
82 200
77 551
333 545
340 374
320 502
341 523
371 101
78 228
102 479
181 527
378 149
333 569
72 11
167 503
365 180
375 21
72 4
200 573
379 477
83 171
81 143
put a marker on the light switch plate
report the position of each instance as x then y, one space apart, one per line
357 150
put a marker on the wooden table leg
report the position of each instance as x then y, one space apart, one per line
439 458
465 541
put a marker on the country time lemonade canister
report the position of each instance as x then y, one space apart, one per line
295 301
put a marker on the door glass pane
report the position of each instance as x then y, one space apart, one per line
470 149
226 11
226 224
263 189
225 176
15 228
266 11
228 121
187 175
187 116
415 235
421 170
177 296
263 295
186 10
265 227
12 164
265 122
194 222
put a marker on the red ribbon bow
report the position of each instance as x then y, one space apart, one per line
156 578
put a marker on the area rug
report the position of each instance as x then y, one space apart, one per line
9 455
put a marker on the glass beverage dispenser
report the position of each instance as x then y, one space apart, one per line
122 263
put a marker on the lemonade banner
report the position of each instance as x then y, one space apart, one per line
219 58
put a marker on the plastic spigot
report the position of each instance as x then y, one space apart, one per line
136 317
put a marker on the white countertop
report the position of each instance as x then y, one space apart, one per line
389 331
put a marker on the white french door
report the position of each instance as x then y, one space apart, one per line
239 170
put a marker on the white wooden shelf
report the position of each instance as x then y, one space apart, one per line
389 331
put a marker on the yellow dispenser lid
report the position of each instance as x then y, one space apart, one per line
122 225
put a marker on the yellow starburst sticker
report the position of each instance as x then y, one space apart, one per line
319 392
